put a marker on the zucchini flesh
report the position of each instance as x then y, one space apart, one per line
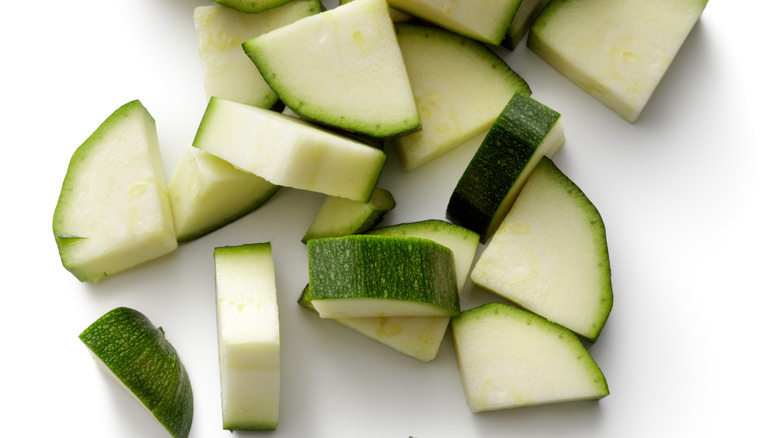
460 87
509 358
248 334
289 152
113 211
616 51
550 254
342 68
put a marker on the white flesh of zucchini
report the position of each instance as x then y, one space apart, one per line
342 68
248 333
617 51
289 152
550 254
227 71
509 358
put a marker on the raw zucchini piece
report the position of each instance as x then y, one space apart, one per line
369 276
550 254
227 71
207 193
524 132
418 337
616 51
340 216
525 16
342 68
460 87
248 333
462 241
113 211
252 6
395 14
483 21
289 152
509 357
139 358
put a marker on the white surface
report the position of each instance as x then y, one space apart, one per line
688 194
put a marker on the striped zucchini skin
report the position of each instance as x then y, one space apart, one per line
383 268
509 151
140 357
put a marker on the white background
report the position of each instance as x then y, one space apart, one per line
689 196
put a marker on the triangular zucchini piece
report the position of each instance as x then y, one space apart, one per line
342 68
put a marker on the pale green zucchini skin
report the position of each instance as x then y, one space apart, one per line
384 271
139 356
518 139
509 357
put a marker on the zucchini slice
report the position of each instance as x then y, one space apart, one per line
550 254
248 335
615 50
227 71
136 354
477 19
524 132
289 152
342 68
509 358
418 337
369 276
113 211
340 216
460 87
207 193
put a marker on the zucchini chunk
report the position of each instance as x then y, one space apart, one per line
460 87
340 216
509 358
369 276
616 51
524 132
208 193
113 211
477 19
342 68
418 337
227 71
287 151
248 335
132 350
550 254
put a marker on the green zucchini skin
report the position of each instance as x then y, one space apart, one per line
383 267
134 349
507 150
